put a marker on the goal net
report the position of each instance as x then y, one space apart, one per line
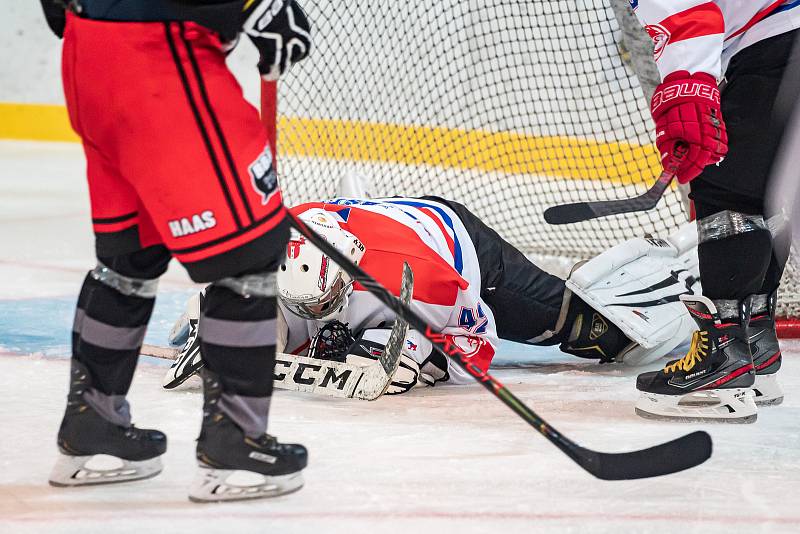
508 107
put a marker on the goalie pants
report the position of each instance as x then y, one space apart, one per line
525 300
178 165
746 263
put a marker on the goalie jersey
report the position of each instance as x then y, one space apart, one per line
702 35
447 282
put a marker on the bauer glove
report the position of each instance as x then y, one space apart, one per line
686 110
281 32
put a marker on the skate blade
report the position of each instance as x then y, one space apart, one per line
719 406
687 419
767 390
760 401
71 471
227 485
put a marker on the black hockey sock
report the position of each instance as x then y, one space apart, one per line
114 307
237 340
107 334
735 267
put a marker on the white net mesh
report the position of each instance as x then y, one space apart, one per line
506 106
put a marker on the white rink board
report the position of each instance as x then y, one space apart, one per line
448 459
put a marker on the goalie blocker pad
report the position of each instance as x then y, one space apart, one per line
636 285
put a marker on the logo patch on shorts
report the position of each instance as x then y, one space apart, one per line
192 224
263 177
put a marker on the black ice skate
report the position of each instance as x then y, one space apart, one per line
234 467
85 434
766 357
713 380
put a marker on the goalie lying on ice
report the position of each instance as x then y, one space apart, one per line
470 285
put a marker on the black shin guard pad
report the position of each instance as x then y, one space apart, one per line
107 334
237 340
109 326
735 267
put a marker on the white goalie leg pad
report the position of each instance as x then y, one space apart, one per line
767 390
724 405
180 330
636 286
218 485
100 469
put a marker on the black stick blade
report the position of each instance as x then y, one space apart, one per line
569 213
683 453
585 211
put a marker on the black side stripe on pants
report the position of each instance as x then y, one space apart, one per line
201 127
217 128
114 220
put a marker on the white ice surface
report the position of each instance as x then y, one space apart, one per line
447 459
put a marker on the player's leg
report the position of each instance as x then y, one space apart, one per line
237 332
114 307
764 339
533 306
736 253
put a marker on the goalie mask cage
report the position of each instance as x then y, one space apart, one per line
508 107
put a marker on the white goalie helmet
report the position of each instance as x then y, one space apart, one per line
310 284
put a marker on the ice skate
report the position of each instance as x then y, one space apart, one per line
234 467
713 381
766 359
93 450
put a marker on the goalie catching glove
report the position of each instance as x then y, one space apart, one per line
281 32
419 364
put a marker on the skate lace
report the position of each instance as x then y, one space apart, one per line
697 351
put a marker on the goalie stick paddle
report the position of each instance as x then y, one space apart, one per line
586 211
676 455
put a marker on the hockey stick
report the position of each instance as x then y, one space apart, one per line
585 211
682 453
302 373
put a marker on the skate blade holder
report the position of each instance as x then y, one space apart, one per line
728 405
101 469
217 485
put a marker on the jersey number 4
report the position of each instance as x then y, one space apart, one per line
473 320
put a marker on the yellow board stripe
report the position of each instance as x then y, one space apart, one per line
504 152
39 122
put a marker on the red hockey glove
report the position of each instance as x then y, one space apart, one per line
686 110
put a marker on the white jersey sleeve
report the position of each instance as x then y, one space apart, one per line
703 35
687 34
